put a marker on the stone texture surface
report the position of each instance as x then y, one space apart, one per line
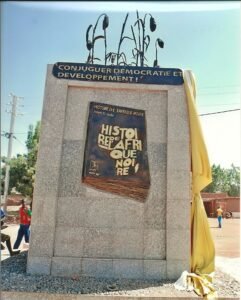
176 267
41 240
69 241
39 265
157 194
178 184
183 207
96 233
125 268
66 266
46 183
180 238
52 128
178 122
128 214
71 211
100 213
102 268
154 269
98 242
179 160
158 157
154 244
155 213
71 169
128 243
109 268
44 211
48 170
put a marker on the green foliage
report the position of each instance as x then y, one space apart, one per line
18 170
234 181
32 144
22 167
225 180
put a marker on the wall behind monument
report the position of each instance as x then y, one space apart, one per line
92 232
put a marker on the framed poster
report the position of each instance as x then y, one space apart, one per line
116 157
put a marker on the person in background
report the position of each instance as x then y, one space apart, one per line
5 238
25 219
220 215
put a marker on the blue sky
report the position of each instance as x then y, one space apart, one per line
201 36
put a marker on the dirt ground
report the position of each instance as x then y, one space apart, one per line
227 238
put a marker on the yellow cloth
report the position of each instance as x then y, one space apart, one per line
202 246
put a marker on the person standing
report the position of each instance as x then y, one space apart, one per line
23 231
220 215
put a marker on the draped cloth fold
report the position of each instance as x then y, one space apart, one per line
202 245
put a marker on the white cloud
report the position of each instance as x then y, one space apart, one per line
129 6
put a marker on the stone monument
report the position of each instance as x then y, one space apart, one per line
86 225
77 229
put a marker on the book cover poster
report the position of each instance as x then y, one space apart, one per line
116 157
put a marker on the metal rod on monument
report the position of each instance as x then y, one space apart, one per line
10 137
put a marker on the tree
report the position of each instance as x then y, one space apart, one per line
233 176
225 180
18 169
22 167
32 144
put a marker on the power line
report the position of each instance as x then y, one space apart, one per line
219 87
20 141
222 104
219 112
20 133
218 93
16 132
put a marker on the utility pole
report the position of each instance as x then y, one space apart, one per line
10 137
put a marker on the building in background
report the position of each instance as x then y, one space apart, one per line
230 205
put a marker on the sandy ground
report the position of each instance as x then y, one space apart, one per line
227 246
227 238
